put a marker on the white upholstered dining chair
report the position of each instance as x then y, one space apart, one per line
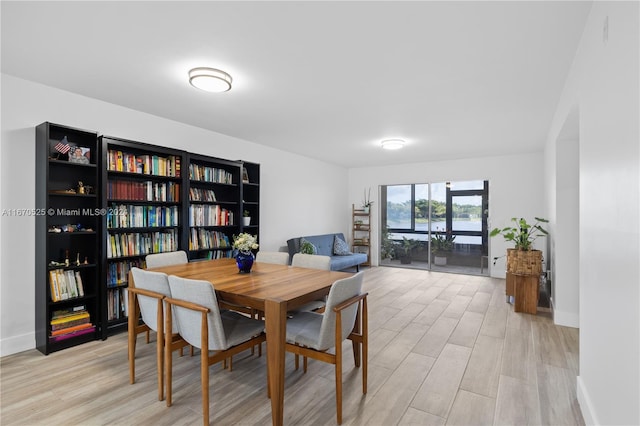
275 257
158 260
219 335
345 317
149 291
311 261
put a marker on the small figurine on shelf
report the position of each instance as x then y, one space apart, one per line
86 260
80 187
66 258
78 260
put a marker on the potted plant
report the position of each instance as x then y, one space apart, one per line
523 259
441 245
387 245
405 247
366 201
306 247
246 218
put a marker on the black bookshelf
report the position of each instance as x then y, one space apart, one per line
143 196
212 206
68 230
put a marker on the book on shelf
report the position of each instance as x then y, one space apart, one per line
118 272
132 216
209 215
65 284
198 194
141 243
143 191
209 174
72 334
156 165
79 284
205 239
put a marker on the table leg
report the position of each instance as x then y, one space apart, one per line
275 319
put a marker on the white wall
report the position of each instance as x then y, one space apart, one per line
299 196
515 190
603 85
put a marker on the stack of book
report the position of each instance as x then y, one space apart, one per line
71 322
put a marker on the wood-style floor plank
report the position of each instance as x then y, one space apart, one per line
443 349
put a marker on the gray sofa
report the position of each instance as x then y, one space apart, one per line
324 246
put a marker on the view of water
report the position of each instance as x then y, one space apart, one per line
458 225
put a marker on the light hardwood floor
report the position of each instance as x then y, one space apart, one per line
444 349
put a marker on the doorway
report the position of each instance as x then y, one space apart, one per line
439 226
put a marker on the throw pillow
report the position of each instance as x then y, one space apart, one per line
307 247
340 247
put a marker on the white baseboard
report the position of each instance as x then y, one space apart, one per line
586 407
567 319
15 344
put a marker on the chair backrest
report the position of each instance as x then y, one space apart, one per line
166 259
341 290
312 261
190 321
277 257
152 281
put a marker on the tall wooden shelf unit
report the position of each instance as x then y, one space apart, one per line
251 196
361 232
67 227
214 206
143 198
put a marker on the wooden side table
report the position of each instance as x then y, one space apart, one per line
525 289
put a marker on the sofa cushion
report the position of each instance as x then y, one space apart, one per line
340 247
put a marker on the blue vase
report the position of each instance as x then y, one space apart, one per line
244 260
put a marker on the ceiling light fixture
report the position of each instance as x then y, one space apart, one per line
392 144
210 79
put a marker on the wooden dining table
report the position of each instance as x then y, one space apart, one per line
272 289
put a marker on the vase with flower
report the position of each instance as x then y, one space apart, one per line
244 243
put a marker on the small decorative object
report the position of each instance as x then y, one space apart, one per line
62 148
245 175
66 258
80 187
86 260
244 243
366 202
78 259
79 155
246 218
55 229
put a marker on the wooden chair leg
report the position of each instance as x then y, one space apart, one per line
160 341
148 338
339 383
204 368
304 364
168 355
365 344
297 361
132 338
354 344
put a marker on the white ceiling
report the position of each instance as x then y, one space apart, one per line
327 80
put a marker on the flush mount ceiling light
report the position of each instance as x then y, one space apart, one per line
210 79
392 144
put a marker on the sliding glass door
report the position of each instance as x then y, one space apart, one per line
439 226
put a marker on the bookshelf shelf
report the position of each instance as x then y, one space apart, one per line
65 291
